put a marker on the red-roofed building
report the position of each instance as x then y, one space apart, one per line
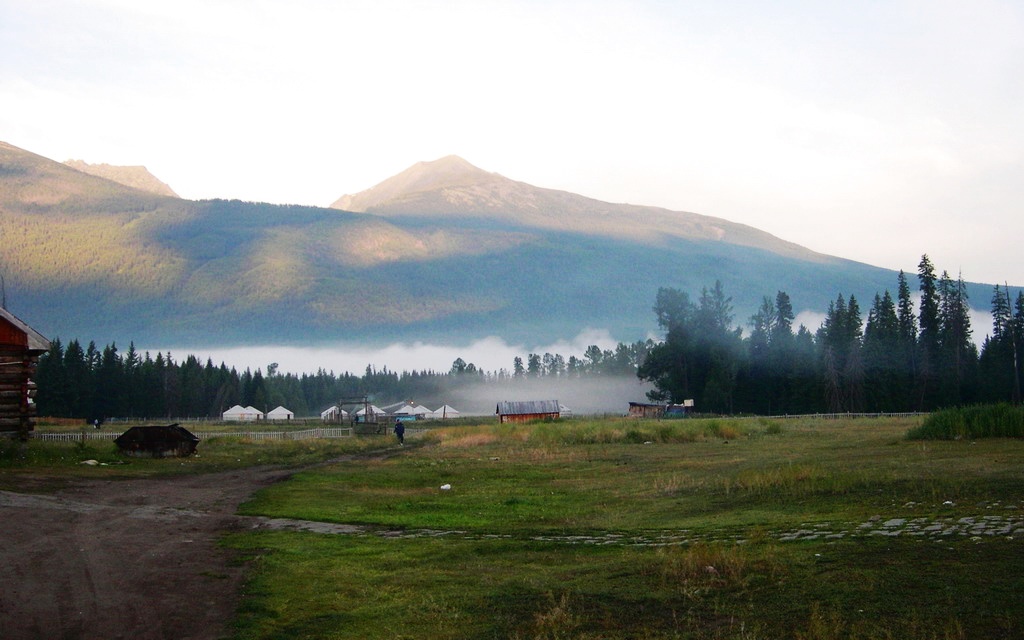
20 348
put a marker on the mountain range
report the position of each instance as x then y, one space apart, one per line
136 177
443 251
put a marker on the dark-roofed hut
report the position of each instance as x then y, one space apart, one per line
528 410
646 410
20 348
157 442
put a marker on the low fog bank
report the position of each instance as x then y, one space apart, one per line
582 396
489 354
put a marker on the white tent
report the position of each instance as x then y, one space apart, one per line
443 413
280 413
377 411
240 413
409 410
333 413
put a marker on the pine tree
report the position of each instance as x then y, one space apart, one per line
839 340
882 364
51 381
958 355
996 364
757 378
929 336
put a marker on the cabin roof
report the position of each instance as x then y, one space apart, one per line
36 341
527 407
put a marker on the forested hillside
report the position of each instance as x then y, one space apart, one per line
86 256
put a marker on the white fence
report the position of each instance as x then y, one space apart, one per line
305 434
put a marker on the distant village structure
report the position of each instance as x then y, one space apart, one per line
370 413
20 348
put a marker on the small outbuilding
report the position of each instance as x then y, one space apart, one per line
682 410
280 413
166 441
524 411
20 348
646 410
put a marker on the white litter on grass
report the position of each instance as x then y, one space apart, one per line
446 487
91 463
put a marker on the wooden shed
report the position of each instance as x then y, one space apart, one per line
20 348
525 411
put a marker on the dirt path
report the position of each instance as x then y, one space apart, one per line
123 559
139 558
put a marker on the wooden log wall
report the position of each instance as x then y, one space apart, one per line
17 368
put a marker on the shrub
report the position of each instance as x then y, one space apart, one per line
981 421
718 429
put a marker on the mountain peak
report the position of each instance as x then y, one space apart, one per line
427 176
450 187
137 177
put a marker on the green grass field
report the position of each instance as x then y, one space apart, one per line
624 529
615 528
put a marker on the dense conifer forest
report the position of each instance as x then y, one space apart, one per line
902 357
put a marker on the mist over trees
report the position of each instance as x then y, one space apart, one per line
92 383
895 357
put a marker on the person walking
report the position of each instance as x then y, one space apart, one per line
400 432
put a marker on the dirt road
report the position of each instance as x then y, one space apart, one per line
123 559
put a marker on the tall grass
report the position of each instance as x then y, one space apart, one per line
600 431
982 421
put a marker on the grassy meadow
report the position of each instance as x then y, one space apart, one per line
66 461
616 528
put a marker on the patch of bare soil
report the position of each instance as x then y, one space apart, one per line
123 558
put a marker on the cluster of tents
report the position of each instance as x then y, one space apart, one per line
246 414
401 411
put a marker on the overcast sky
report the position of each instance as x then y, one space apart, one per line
875 131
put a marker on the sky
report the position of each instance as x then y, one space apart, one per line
874 131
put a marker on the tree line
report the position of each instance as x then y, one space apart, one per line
902 357
93 383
